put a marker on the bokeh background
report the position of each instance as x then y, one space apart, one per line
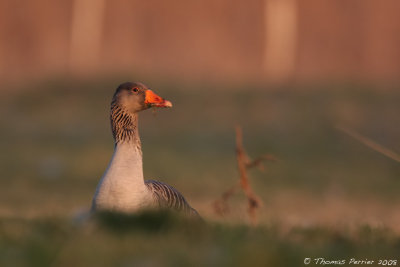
288 71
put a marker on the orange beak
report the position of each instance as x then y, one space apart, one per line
153 100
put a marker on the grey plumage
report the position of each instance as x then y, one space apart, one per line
170 198
122 187
123 124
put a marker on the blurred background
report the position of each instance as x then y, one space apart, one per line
262 40
287 71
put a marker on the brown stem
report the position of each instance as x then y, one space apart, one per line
221 206
253 201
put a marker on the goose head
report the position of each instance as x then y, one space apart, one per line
134 97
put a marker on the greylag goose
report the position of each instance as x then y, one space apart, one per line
122 187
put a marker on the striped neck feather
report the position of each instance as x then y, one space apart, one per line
124 125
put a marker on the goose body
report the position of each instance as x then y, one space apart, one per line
122 187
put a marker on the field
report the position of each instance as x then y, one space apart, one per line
328 196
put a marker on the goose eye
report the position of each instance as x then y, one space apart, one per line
135 90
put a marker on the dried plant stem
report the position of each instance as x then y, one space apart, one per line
221 205
371 144
258 161
253 201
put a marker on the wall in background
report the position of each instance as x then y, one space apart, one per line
275 40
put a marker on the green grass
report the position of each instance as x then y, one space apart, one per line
327 196
161 239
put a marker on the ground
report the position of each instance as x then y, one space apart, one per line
328 196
